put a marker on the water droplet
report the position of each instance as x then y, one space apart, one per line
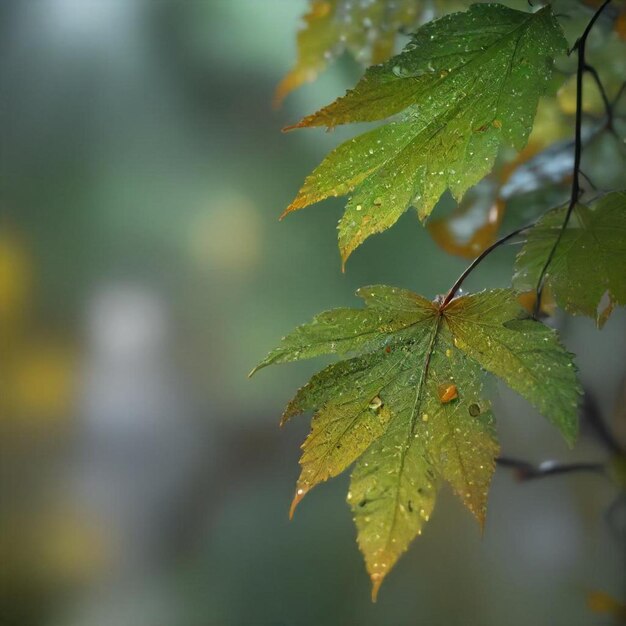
375 403
474 410
447 393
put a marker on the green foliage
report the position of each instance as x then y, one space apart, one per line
406 406
410 407
587 274
466 83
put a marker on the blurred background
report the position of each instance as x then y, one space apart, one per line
143 272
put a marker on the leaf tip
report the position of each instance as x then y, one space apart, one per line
298 203
345 255
290 127
377 581
482 518
300 493
259 366
287 211
294 79
478 511
308 122
570 439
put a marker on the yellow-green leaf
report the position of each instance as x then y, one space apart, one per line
587 274
464 85
409 406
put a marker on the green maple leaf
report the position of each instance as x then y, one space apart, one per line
367 30
465 84
409 404
587 274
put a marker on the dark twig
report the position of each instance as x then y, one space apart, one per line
580 47
591 183
527 471
608 106
592 414
524 470
618 95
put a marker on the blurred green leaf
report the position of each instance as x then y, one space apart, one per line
588 270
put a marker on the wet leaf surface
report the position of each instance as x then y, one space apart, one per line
409 407
465 84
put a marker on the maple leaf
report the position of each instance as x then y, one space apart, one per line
367 30
409 404
465 83
587 272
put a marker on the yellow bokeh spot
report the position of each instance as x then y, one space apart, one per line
15 278
592 100
41 382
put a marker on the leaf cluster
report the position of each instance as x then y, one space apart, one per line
406 405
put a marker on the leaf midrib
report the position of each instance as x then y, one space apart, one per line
411 425
441 120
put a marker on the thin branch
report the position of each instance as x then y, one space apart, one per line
593 185
580 47
593 415
619 94
527 471
608 106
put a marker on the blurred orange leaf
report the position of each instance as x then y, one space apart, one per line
367 30
602 602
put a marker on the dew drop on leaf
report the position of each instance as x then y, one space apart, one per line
376 403
474 410
447 393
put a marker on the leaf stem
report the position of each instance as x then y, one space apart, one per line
470 268
580 47
527 471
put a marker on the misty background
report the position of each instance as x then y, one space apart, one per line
143 273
